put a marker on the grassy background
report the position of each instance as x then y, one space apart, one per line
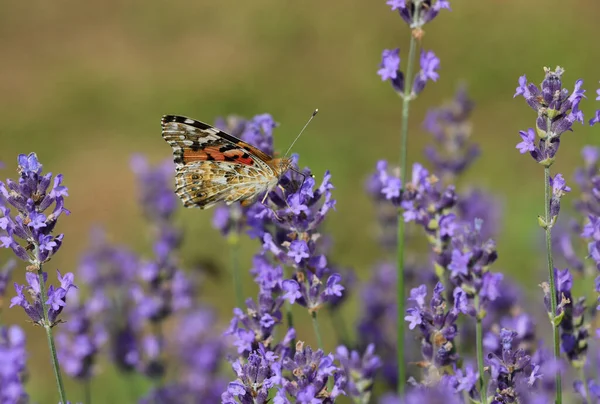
84 84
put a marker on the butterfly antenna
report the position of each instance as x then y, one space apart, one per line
305 125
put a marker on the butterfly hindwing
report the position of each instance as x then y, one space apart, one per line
213 166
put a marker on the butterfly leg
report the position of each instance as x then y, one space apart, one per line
284 197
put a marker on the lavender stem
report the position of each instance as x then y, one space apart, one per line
87 391
290 320
339 326
48 329
479 341
555 336
403 164
316 327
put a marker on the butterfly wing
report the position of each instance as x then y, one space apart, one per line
213 166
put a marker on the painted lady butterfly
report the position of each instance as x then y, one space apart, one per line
214 166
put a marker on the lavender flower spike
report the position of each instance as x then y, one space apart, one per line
417 13
557 109
56 299
29 232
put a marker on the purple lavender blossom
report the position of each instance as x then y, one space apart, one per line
81 338
574 331
360 371
33 224
5 275
255 326
596 117
313 293
389 69
13 371
377 324
562 239
256 376
559 189
56 297
458 246
387 214
290 233
557 109
511 371
437 394
588 180
429 66
475 203
435 319
309 372
200 349
156 195
592 387
451 131
418 13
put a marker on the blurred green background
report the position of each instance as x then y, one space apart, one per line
84 85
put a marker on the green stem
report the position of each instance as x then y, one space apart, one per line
234 241
48 328
548 225
316 327
339 326
406 98
290 320
479 341
87 391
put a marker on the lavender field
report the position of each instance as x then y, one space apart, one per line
434 237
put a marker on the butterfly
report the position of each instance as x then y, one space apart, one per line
213 166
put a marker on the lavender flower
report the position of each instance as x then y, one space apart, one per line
377 324
156 195
474 204
451 131
592 387
588 180
438 394
510 371
200 348
13 372
56 297
437 326
81 338
255 378
559 189
5 275
33 224
389 69
417 13
360 372
557 110
429 66
387 214
596 117
257 323
309 373
574 330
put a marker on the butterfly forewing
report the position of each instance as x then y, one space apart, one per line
214 166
